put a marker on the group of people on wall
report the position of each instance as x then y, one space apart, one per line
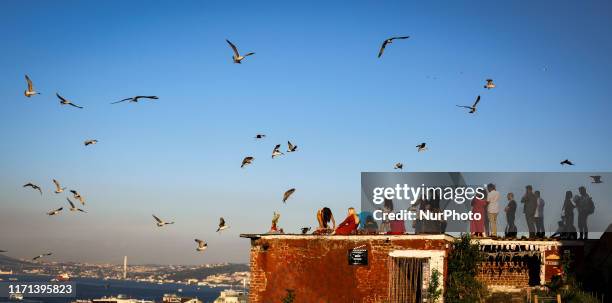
488 206
533 209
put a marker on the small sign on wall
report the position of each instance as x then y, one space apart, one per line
358 256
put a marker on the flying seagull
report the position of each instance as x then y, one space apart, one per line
566 162
74 208
161 222
246 161
58 187
596 179
473 107
305 230
389 41
237 57
33 186
421 147
260 136
135 99
90 142
41 255
399 166
64 101
30 91
77 196
276 151
201 245
290 147
288 194
489 84
222 225
54 212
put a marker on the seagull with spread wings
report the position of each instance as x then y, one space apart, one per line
74 208
58 187
90 142
29 92
54 212
288 194
136 98
64 101
567 162
489 84
399 166
422 147
389 41
77 196
276 151
222 225
237 57
201 245
290 147
33 186
260 136
41 256
160 222
246 161
473 107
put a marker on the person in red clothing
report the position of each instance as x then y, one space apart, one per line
477 227
349 225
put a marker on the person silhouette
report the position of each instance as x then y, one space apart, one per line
530 203
586 207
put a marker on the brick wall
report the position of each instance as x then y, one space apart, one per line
316 267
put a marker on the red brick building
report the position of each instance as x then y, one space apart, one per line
386 268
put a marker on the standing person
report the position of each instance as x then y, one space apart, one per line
585 206
492 209
539 215
568 210
510 216
530 203
479 206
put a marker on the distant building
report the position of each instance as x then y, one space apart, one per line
173 298
117 299
231 296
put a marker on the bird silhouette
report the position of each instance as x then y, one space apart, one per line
566 162
33 186
29 92
387 42
288 194
136 98
237 57
246 161
473 107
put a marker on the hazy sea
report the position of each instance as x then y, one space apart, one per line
87 288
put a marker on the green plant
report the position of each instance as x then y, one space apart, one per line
463 287
289 297
433 290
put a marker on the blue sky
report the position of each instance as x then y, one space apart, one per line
315 80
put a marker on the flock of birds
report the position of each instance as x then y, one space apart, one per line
248 160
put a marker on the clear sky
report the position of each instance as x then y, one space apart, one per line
315 80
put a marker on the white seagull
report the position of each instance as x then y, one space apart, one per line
74 208
161 222
54 212
222 225
201 245
90 142
237 57
30 91
64 101
473 107
399 166
246 161
58 187
489 84
290 147
41 255
389 41
288 194
33 186
276 151
422 147
77 196
135 99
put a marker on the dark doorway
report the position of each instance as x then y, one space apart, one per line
405 279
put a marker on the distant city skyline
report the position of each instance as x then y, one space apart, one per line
315 80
